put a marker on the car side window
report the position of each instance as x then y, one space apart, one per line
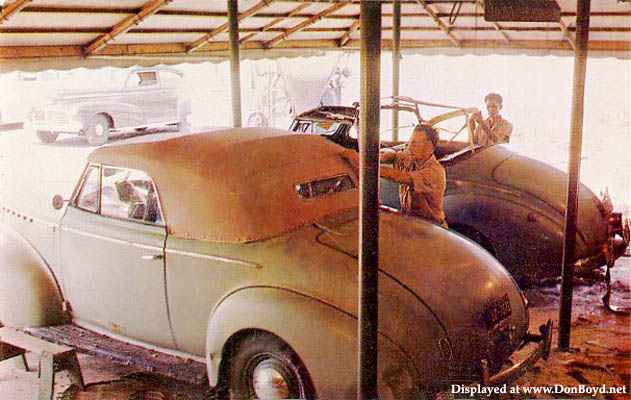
130 195
324 186
148 78
170 79
88 198
145 78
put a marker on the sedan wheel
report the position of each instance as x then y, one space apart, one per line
99 130
263 367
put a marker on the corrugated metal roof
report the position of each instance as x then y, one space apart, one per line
85 31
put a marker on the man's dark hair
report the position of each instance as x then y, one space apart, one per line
493 97
430 132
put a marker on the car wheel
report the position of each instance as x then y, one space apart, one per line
47 136
258 120
263 367
99 130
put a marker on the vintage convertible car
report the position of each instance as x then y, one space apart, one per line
233 248
511 205
150 98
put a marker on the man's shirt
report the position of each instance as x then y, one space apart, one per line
500 132
424 197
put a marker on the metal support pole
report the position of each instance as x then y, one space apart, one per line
368 212
235 67
396 64
571 215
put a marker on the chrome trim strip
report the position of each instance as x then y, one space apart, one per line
213 258
460 183
109 239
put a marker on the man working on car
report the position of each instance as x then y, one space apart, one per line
421 177
494 129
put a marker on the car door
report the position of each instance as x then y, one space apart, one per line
144 91
171 84
112 249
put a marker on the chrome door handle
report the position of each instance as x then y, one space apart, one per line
152 257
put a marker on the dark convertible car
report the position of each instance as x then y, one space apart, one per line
511 205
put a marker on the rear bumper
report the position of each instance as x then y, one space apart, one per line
544 340
614 247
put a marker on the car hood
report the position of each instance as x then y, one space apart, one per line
549 185
452 276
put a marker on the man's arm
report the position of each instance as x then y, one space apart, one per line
387 155
393 174
477 117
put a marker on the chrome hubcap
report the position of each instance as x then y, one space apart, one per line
269 383
99 129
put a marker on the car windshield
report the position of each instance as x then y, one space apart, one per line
407 122
317 127
451 125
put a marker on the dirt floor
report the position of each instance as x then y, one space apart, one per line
600 346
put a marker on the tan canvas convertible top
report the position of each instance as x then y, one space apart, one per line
236 185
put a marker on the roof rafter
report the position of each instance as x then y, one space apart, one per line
497 26
567 34
147 10
277 21
305 23
191 47
349 32
453 39
12 8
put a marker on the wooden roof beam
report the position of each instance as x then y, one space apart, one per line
567 34
349 32
342 31
278 20
147 10
304 24
453 39
177 49
206 38
12 8
497 26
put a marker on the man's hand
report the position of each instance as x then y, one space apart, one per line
386 154
477 116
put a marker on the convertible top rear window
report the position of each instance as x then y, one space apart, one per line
321 187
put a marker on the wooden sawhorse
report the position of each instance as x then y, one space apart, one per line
52 357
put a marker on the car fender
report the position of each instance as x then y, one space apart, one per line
323 336
29 292
122 114
500 218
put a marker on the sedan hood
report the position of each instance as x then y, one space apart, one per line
456 279
549 185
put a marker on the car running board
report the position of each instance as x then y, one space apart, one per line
145 360
145 126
